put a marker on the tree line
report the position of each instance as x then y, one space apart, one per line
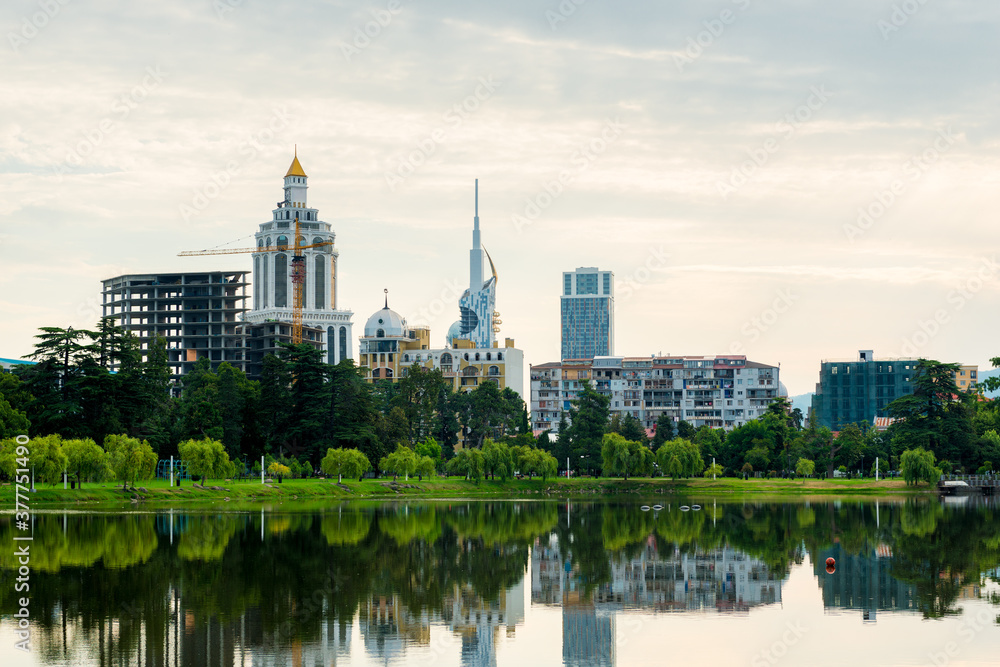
301 408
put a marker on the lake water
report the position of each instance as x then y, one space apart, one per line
512 583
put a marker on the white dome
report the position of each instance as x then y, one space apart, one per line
454 331
385 323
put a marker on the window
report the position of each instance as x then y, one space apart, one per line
377 373
406 357
477 356
494 370
380 333
343 343
500 357
320 285
282 241
281 280
446 362
567 284
833 370
470 371
331 334
487 356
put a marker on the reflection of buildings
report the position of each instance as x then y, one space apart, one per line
388 628
863 581
477 621
724 579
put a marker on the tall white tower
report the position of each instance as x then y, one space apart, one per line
477 303
272 282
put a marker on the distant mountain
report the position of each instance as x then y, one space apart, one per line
802 402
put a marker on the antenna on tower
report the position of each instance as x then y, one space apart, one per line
477 197
386 297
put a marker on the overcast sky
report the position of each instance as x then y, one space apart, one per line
714 155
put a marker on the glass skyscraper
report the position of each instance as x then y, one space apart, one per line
587 313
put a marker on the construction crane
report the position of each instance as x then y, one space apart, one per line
298 271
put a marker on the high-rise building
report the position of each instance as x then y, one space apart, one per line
198 314
859 390
479 320
273 290
725 391
587 313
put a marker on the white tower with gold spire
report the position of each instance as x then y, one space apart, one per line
272 282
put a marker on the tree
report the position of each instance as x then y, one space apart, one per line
685 430
131 459
206 458
425 466
279 470
86 460
497 459
12 422
588 421
45 457
680 458
628 427
805 467
714 470
936 416
664 430
342 462
917 465
429 448
401 462
467 462
624 457
535 461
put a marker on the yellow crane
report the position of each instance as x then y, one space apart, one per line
298 271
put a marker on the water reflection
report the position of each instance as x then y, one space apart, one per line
441 583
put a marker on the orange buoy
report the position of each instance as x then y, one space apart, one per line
831 566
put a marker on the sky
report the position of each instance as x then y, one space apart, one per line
789 180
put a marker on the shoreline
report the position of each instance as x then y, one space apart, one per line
158 492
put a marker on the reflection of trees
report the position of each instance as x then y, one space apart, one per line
310 569
345 528
206 537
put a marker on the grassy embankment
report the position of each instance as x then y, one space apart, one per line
157 491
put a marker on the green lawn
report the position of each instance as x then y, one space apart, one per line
158 491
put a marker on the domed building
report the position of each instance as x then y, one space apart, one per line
471 355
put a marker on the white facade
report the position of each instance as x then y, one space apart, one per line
479 319
273 291
721 392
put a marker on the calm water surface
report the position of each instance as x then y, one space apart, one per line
513 583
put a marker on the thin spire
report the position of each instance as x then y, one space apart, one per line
386 298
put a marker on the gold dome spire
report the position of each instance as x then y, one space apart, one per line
296 169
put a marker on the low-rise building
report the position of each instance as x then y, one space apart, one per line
390 348
724 391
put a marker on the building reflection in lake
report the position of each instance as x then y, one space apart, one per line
863 581
720 579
